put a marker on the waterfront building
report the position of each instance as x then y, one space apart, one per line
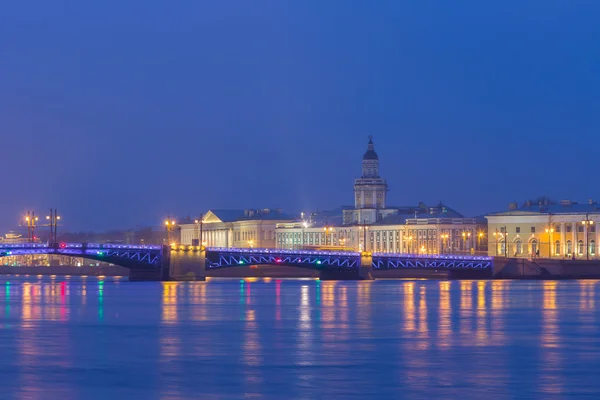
373 226
421 229
369 192
234 228
546 230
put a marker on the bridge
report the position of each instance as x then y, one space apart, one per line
349 265
144 262
164 262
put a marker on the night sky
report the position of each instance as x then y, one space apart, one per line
119 113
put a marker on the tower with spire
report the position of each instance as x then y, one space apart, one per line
369 191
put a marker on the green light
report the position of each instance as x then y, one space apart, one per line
240 262
318 261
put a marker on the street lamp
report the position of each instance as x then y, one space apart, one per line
479 236
466 235
550 231
170 227
250 243
198 230
53 219
444 237
364 228
502 234
328 229
31 221
587 222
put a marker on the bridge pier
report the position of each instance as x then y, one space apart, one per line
188 265
364 272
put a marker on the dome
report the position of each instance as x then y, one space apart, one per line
370 154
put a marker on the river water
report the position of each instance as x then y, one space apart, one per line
77 338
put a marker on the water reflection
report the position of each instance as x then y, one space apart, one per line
466 307
409 306
550 366
169 302
445 309
238 339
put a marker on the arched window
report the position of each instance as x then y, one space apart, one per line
519 246
569 247
557 248
501 248
534 246
580 247
593 247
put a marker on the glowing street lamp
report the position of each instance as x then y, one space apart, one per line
251 243
170 227
550 231
444 237
466 236
586 222
53 219
31 221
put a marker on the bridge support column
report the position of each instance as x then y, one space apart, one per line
188 265
366 267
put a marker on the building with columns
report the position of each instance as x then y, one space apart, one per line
234 228
421 229
563 230
369 192
373 226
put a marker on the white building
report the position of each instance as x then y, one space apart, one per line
374 226
234 228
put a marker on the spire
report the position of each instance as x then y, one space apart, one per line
370 154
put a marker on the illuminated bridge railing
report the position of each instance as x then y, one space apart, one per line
430 261
141 254
227 257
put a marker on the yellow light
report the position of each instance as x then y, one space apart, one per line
173 244
47 217
195 221
26 218
172 222
58 217
166 222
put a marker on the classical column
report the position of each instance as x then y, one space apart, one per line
563 244
597 244
574 238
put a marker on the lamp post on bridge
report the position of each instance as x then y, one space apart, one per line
550 231
444 237
363 228
328 229
587 222
466 236
31 220
198 225
170 227
53 219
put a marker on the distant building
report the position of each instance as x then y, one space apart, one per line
235 228
563 230
369 192
421 229
373 226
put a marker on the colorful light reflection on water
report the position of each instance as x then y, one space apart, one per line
270 338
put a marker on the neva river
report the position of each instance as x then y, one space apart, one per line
293 339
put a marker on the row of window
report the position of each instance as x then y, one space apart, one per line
569 228
534 247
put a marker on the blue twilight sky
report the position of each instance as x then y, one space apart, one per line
122 112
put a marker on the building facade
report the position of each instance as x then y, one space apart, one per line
369 192
374 226
563 230
233 228
434 233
